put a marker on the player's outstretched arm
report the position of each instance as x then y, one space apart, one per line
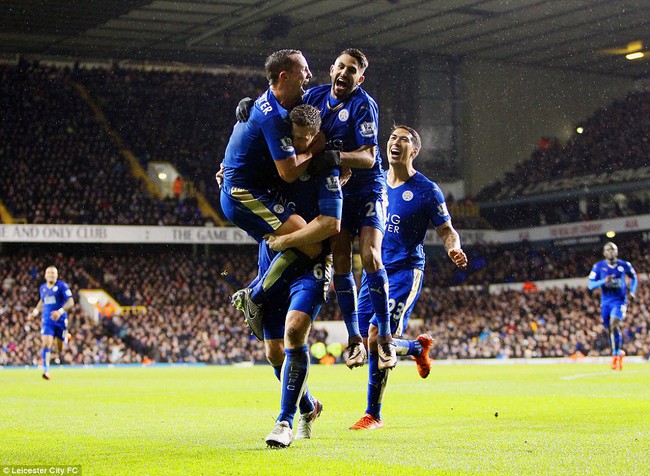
362 158
451 241
37 310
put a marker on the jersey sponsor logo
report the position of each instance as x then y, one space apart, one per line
277 208
407 196
286 144
442 210
344 114
332 183
49 300
367 129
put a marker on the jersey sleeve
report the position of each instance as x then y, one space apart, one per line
366 120
436 206
594 275
277 133
66 293
330 195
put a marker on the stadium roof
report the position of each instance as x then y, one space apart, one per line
542 33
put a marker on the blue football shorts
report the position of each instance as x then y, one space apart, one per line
404 286
58 329
307 294
257 212
364 208
615 309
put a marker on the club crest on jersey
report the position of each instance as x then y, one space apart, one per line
286 144
344 114
304 177
407 196
442 210
55 288
620 268
332 183
277 208
367 129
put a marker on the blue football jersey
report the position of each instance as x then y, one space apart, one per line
411 207
256 143
54 298
353 121
616 289
308 197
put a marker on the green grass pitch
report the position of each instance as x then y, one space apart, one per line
463 419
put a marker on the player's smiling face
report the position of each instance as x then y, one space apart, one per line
399 148
299 76
51 275
346 75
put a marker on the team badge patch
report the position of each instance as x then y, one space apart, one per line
332 183
407 196
343 115
277 208
286 144
367 129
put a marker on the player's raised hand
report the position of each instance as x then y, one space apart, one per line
459 257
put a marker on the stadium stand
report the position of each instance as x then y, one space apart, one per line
189 318
613 141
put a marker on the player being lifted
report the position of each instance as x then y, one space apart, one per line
259 150
611 275
54 304
414 201
350 117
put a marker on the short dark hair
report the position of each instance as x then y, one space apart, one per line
417 142
357 55
277 62
305 115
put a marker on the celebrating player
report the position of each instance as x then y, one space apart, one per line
248 173
54 304
350 118
611 275
413 202
287 320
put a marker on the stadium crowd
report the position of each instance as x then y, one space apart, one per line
60 165
613 139
188 318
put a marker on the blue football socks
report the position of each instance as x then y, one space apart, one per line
378 286
346 293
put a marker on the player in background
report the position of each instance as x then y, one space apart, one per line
288 319
54 304
611 275
414 201
258 151
350 118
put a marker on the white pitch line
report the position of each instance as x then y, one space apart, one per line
598 374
